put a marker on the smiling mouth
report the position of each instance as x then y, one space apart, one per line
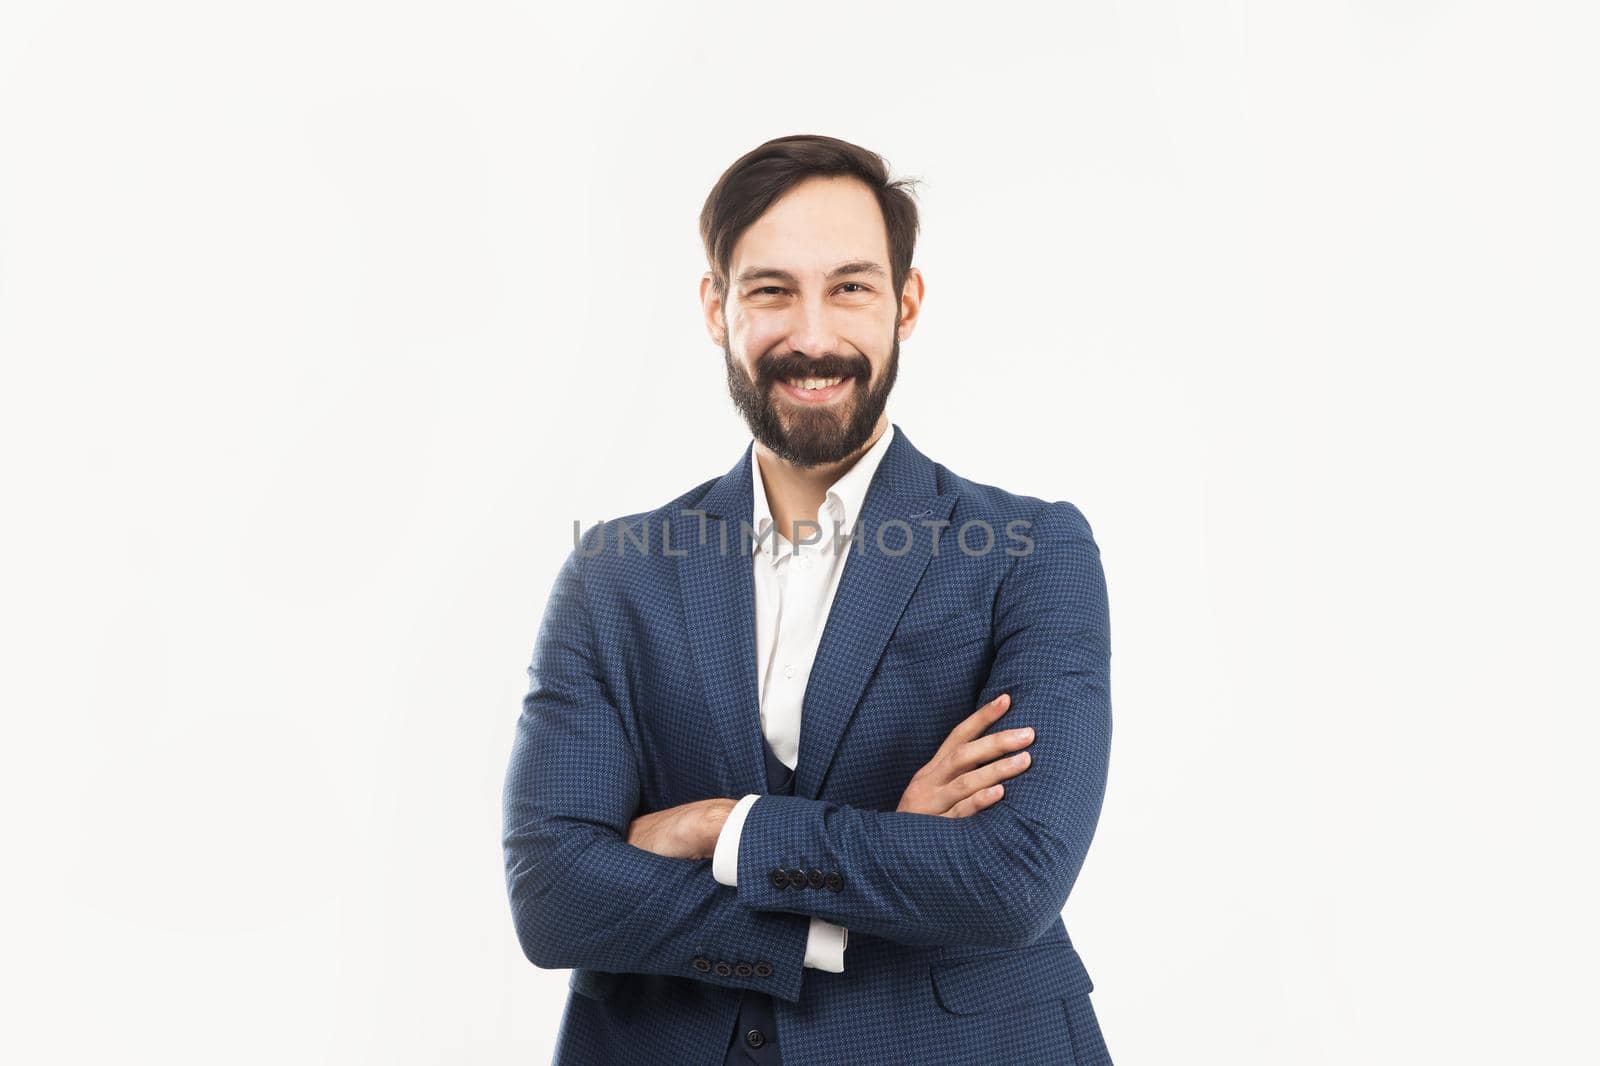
815 389
813 382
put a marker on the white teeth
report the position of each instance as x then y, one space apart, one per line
818 383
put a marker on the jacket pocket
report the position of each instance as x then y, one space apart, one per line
1010 978
596 984
941 638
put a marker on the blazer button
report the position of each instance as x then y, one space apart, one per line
763 969
834 882
814 878
797 878
723 969
780 879
743 969
702 963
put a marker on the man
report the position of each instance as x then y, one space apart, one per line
755 802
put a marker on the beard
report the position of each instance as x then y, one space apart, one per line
807 435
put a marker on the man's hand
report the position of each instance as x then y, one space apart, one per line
949 785
687 831
955 783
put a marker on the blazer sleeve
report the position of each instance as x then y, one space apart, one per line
581 895
826 942
999 877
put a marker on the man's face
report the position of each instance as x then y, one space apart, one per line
809 302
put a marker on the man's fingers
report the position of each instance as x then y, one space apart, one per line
974 781
976 802
987 749
975 723
966 747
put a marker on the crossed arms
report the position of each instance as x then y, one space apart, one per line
581 896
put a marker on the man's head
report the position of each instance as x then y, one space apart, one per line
811 280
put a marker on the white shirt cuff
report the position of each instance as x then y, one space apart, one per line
825 945
725 859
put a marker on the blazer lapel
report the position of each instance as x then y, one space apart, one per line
717 583
715 573
873 591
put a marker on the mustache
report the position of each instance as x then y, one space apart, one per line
778 367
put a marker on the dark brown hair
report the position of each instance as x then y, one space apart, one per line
759 177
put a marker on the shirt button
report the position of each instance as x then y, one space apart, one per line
788 671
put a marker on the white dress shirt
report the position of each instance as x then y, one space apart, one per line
794 586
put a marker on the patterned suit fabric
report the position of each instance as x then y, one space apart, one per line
643 696
755 1040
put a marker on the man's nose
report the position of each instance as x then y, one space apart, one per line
814 330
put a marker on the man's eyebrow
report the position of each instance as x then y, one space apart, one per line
853 266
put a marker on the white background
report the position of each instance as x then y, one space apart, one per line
321 322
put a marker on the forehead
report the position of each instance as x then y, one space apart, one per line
814 225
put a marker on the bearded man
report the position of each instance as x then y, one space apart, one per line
760 801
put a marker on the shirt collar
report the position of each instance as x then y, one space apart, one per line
842 503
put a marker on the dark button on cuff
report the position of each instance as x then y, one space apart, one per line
814 878
834 882
702 963
780 879
763 969
743 969
723 969
797 878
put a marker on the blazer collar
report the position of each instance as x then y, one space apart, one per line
842 503
884 564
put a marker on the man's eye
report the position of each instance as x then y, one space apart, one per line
778 290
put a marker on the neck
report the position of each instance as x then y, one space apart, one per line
795 494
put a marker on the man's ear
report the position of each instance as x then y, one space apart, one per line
711 305
910 302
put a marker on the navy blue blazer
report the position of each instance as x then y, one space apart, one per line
643 696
